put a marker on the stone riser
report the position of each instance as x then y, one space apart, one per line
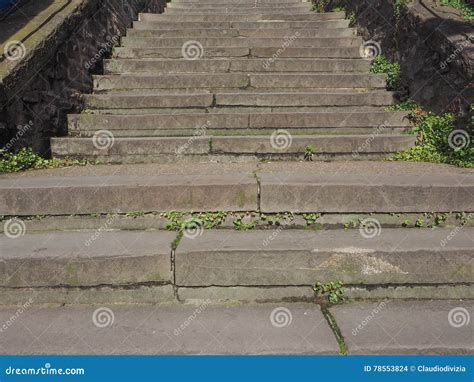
308 66
273 192
294 82
213 119
266 52
149 149
304 16
252 99
259 25
250 42
217 258
250 33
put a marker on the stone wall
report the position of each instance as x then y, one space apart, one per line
38 92
433 44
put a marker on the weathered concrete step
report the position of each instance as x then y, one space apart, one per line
215 120
429 331
187 132
298 99
66 195
129 52
325 145
146 149
238 81
132 101
254 33
238 9
300 257
232 2
168 329
306 16
237 98
345 192
234 65
238 5
213 42
85 259
260 25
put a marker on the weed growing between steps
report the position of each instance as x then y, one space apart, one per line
309 153
327 295
26 159
438 139
331 292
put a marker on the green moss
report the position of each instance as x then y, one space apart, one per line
467 10
382 65
439 141
26 159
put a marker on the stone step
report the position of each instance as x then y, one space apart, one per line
260 25
306 16
301 257
91 194
383 121
299 99
238 81
335 187
164 149
238 8
254 33
238 5
267 11
267 52
232 2
237 98
196 47
85 260
132 101
235 65
167 329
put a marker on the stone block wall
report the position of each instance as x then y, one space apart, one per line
40 90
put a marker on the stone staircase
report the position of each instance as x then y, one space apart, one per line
215 80
198 90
